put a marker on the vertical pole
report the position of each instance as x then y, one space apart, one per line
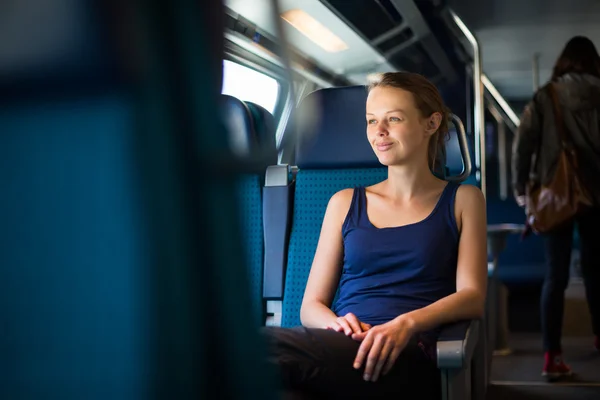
536 71
479 112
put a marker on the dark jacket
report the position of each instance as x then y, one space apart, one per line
579 97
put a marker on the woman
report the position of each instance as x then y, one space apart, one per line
576 82
407 254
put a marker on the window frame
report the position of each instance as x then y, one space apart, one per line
271 70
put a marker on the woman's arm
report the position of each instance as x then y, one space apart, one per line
471 274
327 264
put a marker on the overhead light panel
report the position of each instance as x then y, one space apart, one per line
314 30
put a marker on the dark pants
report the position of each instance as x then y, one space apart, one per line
317 363
558 256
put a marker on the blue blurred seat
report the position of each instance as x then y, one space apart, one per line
265 130
116 278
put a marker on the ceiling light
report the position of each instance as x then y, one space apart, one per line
314 30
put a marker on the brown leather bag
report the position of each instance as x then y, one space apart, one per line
565 196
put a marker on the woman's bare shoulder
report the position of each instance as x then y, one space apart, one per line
338 206
469 195
469 203
341 199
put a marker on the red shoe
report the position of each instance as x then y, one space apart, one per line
554 367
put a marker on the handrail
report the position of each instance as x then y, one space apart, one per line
464 150
536 71
492 95
479 121
500 100
502 162
490 100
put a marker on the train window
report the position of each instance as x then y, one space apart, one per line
249 85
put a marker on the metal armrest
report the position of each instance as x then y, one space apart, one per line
456 344
461 360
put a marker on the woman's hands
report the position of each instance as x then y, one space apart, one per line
348 324
381 345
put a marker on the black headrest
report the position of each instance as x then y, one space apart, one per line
332 130
265 129
239 124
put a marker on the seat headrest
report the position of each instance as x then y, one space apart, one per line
264 126
332 130
240 126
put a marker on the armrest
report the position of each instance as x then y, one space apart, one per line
277 197
456 344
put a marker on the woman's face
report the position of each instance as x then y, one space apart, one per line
395 128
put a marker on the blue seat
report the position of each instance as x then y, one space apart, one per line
251 132
264 129
521 262
119 267
239 123
72 262
332 153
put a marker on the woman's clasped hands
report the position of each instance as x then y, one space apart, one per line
380 345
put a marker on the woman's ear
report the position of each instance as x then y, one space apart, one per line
433 123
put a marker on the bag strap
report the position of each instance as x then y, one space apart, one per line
565 141
558 117
534 165
560 126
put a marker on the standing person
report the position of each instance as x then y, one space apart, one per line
576 84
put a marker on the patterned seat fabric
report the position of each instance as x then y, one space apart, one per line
313 191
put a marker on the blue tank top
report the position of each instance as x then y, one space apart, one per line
391 271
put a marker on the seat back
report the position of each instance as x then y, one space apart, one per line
265 129
251 131
239 122
72 264
332 154
119 269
